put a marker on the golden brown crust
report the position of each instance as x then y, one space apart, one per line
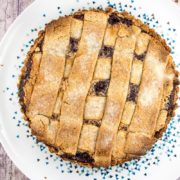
74 132
148 30
25 83
117 93
71 118
51 70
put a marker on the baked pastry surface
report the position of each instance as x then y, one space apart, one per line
98 87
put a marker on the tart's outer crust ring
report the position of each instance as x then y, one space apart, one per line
145 28
23 70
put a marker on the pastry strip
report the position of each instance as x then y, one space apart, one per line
100 82
75 34
51 69
151 90
72 110
97 104
117 93
50 131
136 73
88 138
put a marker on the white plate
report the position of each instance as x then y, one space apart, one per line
162 162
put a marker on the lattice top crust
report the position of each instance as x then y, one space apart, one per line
98 87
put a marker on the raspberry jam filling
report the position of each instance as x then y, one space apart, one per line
23 81
133 92
140 57
115 19
106 51
101 87
79 16
83 157
74 44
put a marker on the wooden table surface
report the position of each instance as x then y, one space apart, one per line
9 10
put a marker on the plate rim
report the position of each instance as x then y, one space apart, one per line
3 139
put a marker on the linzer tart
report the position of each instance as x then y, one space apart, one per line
98 87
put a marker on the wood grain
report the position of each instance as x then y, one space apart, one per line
9 10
